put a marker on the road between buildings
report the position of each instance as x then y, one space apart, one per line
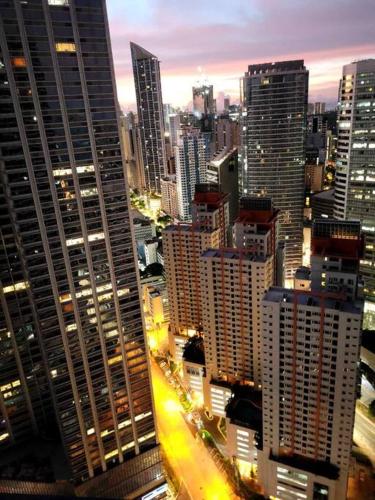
193 466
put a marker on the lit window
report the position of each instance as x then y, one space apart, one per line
65 47
111 454
115 360
22 285
68 171
58 3
4 436
88 192
19 62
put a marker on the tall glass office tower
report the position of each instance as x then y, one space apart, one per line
273 153
355 166
147 83
71 325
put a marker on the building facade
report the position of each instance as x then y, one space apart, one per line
191 162
210 208
70 296
147 83
182 247
232 284
273 138
169 203
223 170
310 349
130 132
203 100
355 165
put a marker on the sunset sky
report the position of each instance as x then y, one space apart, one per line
223 36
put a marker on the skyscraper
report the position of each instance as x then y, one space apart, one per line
273 136
69 291
355 165
191 165
147 83
203 100
310 349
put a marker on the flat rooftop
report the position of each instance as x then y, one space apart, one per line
234 253
221 156
303 273
320 468
194 350
328 195
245 407
307 298
189 228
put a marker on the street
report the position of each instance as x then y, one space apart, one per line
364 435
199 477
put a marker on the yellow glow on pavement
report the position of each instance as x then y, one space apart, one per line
189 458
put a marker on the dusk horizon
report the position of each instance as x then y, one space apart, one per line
222 44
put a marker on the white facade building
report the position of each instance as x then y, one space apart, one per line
232 285
310 355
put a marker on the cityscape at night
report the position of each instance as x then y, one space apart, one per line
187 249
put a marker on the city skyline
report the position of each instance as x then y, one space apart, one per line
187 242
223 42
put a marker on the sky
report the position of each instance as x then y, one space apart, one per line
218 39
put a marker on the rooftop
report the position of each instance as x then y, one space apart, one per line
245 407
303 273
274 67
209 194
257 210
194 350
312 299
334 238
138 52
328 195
189 228
320 468
234 253
222 155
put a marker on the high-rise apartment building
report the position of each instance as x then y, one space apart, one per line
147 83
191 162
182 246
169 196
310 353
210 208
233 282
203 100
355 165
69 291
257 227
273 137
